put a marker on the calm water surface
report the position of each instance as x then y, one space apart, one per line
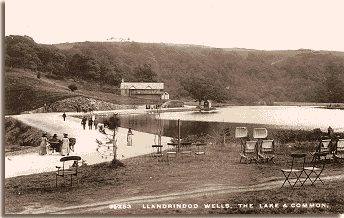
271 117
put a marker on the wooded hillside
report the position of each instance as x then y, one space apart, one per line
241 76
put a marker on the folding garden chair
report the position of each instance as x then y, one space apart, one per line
324 147
267 150
315 170
72 171
242 134
250 152
338 153
259 134
296 168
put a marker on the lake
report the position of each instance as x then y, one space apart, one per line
271 117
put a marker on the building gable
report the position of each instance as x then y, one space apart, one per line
143 86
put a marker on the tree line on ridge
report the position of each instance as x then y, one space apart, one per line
219 74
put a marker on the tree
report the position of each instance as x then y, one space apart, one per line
144 74
203 90
334 84
113 123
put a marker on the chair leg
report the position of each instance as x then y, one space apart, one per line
286 179
71 180
318 178
56 180
308 177
298 178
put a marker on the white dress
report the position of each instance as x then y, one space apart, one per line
130 139
65 146
43 148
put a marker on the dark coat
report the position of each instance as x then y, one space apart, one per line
90 121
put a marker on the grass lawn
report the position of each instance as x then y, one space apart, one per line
147 176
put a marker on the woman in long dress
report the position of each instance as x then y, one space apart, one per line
65 145
44 145
130 137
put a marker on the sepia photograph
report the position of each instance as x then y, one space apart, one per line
173 108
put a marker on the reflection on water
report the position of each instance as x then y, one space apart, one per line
272 118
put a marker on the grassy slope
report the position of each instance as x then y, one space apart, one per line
145 176
24 92
20 138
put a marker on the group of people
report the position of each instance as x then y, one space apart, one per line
48 146
91 121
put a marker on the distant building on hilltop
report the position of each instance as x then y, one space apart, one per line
143 90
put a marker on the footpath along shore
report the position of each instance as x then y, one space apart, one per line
86 145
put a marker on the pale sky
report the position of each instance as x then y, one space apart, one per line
251 24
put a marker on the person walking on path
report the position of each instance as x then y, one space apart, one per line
64 116
95 122
130 137
65 145
44 145
83 122
90 122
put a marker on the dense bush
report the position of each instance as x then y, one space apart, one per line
18 134
73 87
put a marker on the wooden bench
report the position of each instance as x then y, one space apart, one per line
72 171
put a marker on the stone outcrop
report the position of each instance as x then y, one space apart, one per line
80 104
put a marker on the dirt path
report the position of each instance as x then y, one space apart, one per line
85 146
137 202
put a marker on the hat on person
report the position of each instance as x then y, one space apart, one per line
44 134
55 135
65 134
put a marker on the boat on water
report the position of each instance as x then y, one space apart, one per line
207 110
206 107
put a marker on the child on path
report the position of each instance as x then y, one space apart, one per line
64 116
